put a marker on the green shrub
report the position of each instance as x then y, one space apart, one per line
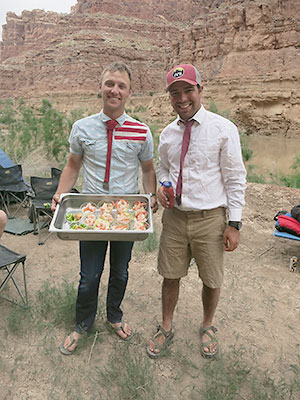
290 180
140 108
154 130
148 245
7 112
56 304
247 153
254 177
135 380
24 129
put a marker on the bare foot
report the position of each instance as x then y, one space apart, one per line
124 332
71 342
209 344
162 339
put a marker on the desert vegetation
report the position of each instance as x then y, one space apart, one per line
103 367
24 129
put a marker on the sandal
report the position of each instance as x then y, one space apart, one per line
65 350
116 329
205 345
168 335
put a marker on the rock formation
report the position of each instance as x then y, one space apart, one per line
247 52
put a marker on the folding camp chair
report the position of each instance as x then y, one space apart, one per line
13 189
43 190
55 172
9 262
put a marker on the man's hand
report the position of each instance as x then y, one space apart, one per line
55 201
154 205
231 238
163 199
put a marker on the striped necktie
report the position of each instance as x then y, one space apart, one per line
184 149
110 124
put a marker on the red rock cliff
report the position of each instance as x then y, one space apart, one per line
247 53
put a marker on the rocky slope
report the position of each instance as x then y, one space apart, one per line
247 52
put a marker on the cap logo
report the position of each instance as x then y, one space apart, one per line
178 72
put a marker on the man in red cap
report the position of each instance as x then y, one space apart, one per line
200 154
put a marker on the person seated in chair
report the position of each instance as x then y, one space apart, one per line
3 219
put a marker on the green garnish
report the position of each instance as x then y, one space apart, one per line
70 217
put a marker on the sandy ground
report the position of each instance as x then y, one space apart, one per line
259 311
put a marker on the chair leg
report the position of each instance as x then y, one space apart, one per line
6 203
40 227
41 242
34 220
4 200
21 204
9 276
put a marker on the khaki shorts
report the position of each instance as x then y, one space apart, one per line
197 234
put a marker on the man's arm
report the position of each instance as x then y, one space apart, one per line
234 173
234 176
68 177
149 181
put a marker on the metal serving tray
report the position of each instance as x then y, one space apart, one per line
71 202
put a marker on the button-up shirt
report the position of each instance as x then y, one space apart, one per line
213 173
132 142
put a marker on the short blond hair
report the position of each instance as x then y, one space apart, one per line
117 66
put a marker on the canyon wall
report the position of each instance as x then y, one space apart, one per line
246 51
248 55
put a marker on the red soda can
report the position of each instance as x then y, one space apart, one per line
169 191
293 264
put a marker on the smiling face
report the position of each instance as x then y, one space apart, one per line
185 99
115 89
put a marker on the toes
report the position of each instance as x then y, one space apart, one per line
123 332
127 330
70 344
152 347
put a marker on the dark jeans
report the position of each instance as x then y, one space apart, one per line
92 258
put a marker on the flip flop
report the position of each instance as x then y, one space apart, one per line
65 350
116 329
213 340
168 335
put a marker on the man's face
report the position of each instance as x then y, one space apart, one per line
115 89
185 99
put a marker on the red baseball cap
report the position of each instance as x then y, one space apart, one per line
183 72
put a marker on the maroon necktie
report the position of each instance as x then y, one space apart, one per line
110 128
184 149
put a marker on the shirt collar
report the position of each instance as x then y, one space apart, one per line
104 118
198 117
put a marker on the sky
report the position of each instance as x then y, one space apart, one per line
17 6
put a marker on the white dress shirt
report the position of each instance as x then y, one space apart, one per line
213 173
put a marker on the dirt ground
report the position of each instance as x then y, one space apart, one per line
259 311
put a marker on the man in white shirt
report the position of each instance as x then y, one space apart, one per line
200 154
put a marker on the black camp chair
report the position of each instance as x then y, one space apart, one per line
13 189
9 263
41 214
55 172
